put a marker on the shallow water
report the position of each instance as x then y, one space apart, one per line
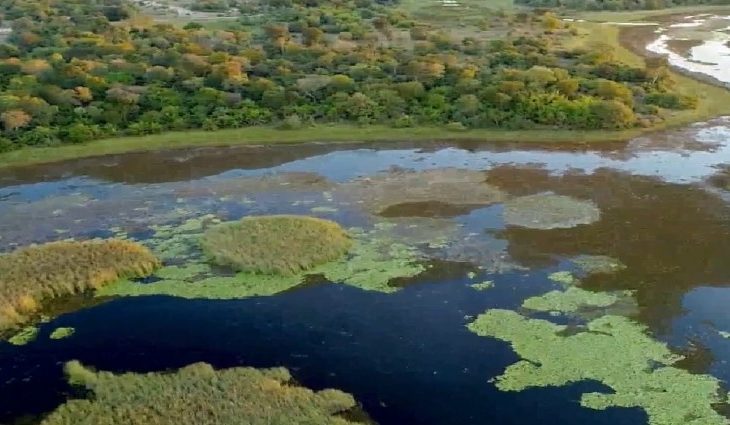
696 43
407 355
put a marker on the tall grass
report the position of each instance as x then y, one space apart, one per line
199 395
32 275
277 244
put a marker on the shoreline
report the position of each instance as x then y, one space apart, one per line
714 102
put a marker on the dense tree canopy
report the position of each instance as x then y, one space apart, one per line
77 70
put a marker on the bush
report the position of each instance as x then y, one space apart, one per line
456 126
404 121
292 122
671 100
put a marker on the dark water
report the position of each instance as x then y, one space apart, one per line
406 356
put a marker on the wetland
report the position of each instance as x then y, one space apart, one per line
463 282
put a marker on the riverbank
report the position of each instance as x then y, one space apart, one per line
319 133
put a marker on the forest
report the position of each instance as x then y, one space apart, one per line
74 71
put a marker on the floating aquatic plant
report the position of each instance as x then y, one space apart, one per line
279 244
32 275
199 395
373 261
242 285
323 209
483 286
548 211
24 336
572 299
61 333
612 350
598 264
563 277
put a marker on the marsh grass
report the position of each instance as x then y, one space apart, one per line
32 275
198 394
279 244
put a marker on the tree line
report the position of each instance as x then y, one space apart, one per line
77 70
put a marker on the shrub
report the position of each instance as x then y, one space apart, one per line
198 394
671 100
456 126
292 122
34 274
278 244
404 121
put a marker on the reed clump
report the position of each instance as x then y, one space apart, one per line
199 395
278 244
32 275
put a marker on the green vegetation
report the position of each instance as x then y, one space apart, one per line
73 72
572 300
598 264
282 244
242 285
374 259
563 277
612 350
24 336
483 286
713 100
199 395
61 333
548 211
32 275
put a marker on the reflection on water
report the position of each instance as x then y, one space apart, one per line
664 214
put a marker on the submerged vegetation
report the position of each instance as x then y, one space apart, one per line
612 350
32 275
547 211
198 395
283 244
598 264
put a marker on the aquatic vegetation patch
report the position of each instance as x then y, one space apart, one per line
323 210
483 286
563 277
242 285
612 350
547 211
279 244
442 186
598 264
32 275
572 300
61 333
24 336
373 261
199 395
